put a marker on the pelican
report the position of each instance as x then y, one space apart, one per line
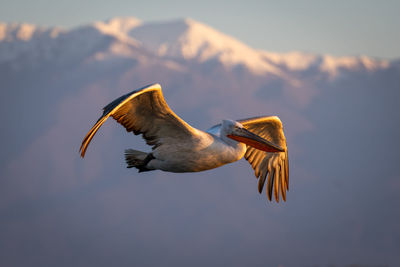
179 147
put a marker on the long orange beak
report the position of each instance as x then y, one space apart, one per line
244 136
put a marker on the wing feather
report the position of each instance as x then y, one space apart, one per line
275 165
145 112
283 180
277 183
262 175
287 170
270 182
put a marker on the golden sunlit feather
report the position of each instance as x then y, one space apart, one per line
264 163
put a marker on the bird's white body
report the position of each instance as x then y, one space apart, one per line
202 152
179 147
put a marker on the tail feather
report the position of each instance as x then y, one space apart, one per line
137 159
134 158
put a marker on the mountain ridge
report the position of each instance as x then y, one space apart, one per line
177 40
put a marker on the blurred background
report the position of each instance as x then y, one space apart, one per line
329 70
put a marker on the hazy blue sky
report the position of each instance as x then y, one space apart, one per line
335 27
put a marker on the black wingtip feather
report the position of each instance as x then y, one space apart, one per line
270 184
261 182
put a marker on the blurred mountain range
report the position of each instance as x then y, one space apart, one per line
340 116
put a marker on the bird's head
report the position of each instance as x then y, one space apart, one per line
236 131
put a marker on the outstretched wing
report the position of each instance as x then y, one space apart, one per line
275 165
143 111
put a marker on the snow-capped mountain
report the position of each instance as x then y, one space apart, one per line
23 42
178 40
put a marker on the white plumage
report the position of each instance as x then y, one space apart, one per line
178 147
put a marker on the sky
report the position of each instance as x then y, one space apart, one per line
341 28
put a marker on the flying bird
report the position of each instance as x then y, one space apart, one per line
179 147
